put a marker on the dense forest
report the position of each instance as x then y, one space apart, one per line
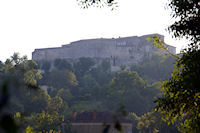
42 95
39 96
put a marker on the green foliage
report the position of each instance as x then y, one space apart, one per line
83 66
21 68
148 122
86 106
155 68
29 130
128 88
122 67
96 88
105 66
56 105
61 79
159 43
187 20
46 65
44 121
88 85
125 81
65 94
34 100
180 101
134 118
61 64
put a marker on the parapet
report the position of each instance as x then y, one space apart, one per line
124 49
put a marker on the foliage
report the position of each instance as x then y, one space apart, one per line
83 66
14 76
56 105
187 21
155 68
61 79
180 101
19 76
65 94
96 87
21 68
151 122
128 88
61 64
46 65
134 118
29 130
98 3
125 81
44 121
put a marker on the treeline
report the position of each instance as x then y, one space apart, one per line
81 86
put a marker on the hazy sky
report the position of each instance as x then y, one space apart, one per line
29 24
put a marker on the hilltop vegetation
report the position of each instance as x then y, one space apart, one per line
80 86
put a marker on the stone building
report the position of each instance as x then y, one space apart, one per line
97 122
120 51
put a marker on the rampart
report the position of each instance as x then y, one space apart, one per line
126 50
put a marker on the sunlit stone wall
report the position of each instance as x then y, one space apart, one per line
125 50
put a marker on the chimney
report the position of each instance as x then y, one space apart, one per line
95 114
74 115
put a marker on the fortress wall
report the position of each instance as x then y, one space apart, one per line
93 49
127 50
46 54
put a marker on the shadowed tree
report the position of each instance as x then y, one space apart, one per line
181 93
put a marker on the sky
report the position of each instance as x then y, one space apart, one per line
29 24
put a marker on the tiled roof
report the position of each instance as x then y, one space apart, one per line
88 117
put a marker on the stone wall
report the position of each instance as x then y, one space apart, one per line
126 50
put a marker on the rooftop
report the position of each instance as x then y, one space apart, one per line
96 117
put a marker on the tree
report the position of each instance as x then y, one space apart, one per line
22 69
181 99
89 86
21 77
44 121
83 66
187 16
181 93
17 75
46 65
98 3
128 88
56 105
155 68
61 79
102 73
61 64
65 94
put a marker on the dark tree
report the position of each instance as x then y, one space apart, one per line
83 66
180 102
61 64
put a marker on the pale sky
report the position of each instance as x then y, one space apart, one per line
29 24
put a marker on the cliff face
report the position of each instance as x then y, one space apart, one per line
127 50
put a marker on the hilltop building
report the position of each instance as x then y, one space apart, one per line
120 51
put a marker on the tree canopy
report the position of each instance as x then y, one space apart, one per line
187 15
180 101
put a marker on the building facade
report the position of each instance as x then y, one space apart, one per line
120 51
99 122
